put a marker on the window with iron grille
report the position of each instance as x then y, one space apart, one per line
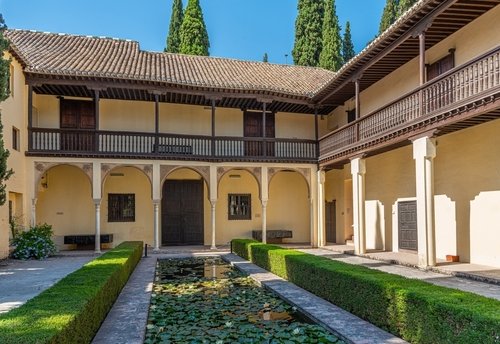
121 207
239 207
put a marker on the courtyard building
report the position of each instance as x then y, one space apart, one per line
398 151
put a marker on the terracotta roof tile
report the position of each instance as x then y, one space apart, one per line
72 55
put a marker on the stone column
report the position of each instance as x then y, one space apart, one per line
213 202
156 224
97 204
321 207
424 152
358 170
264 221
33 211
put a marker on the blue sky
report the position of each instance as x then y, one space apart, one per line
242 29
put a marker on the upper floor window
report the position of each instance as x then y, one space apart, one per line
441 66
351 115
10 85
15 139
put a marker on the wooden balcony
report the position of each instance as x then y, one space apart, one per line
113 144
462 97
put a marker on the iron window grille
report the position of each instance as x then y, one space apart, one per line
239 207
121 207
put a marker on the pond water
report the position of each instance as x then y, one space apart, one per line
205 300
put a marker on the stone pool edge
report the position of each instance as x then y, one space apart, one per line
343 324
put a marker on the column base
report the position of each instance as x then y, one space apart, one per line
97 251
213 247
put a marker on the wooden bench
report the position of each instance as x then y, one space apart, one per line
86 240
273 236
175 149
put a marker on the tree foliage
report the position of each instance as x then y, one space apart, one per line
265 58
308 33
173 38
331 52
404 5
389 15
193 34
5 172
347 45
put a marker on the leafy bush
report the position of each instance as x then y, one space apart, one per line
417 311
35 243
72 310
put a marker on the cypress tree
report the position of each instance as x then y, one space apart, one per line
193 33
5 172
265 58
347 46
404 5
389 15
331 52
173 38
308 33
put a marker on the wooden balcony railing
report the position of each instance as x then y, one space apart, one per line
150 145
459 86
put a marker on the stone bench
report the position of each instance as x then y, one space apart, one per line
86 240
273 236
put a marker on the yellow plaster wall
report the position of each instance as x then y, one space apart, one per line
126 115
244 184
334 190
289 207
66 203
13 111
135 182
467 183
47 113
291 125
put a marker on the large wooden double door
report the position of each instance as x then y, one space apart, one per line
253 124
182 212
79 120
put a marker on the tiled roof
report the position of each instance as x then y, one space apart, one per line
99 57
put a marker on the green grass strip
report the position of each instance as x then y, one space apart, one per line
417 311
72 310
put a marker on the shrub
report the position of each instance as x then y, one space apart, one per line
72 310
417 311
35 243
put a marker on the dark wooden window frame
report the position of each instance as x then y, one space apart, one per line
16 136
239 206
121 207
444 64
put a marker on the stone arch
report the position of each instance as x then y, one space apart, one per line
255 172
203 172
43 167
304 172
106 170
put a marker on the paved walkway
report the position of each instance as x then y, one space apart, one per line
481 273
445 280
21 280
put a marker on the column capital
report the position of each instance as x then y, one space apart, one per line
156 201
97 201
264 202
358 166
213 202
424 148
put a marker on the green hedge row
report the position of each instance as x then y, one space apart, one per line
73 309
417 311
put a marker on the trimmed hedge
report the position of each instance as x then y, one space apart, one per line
417 311
73 309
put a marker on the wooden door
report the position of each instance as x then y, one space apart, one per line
75 116
407 225
182 212
252 127
330 221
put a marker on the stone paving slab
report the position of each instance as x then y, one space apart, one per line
126 322
444 280
347 326
21 280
